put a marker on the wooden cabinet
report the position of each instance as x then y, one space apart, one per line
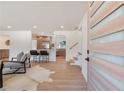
44 42
4 53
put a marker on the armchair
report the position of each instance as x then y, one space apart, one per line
15 67
19 56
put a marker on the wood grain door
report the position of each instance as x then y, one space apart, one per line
106 45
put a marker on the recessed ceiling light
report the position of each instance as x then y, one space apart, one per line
9 27
34 26
62 27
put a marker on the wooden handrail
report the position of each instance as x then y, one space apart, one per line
74 45
79 53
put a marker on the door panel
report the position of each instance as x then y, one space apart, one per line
106 45
95 6
106 10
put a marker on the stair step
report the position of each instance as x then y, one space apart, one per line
75 58
71 61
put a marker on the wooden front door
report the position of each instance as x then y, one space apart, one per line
106 46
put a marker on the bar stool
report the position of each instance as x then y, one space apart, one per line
45 55
35 54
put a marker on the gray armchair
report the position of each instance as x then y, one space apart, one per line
15 67
18 57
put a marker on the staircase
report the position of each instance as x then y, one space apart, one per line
76 55
76 60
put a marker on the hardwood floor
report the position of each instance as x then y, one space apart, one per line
66 77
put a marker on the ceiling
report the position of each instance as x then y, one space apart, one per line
46 16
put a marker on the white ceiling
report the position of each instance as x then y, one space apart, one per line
47 16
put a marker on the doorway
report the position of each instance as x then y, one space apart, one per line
60 47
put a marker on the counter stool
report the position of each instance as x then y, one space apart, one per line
35 54
45 55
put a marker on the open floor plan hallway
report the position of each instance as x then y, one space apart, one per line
66 77
62 45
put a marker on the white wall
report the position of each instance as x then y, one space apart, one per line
52 54
84 45
34 44
76 37
3 39
19 41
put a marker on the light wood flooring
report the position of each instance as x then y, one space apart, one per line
66 77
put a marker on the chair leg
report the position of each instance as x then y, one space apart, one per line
33 58
39 58
43 58
48 58
1 75
24 68
36 59
29 63
1 79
